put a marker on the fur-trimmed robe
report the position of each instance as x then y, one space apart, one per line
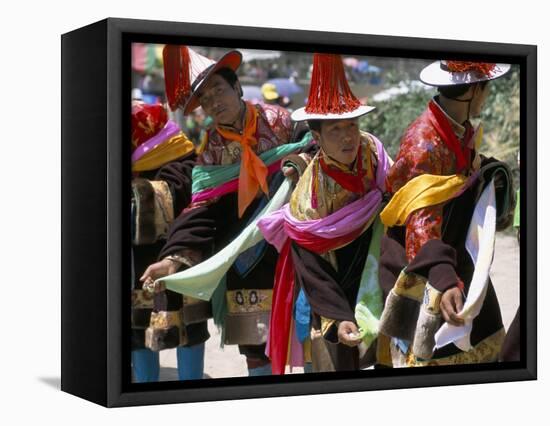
158 196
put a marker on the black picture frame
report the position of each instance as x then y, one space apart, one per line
95 207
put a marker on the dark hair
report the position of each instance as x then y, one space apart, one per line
453 92
315 125
228 75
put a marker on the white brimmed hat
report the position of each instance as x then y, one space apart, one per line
185 71
330 97
451 73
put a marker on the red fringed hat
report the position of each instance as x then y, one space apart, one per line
147 121
450 73
186 70
330 97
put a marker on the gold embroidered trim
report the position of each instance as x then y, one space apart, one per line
410 285
484 352
142 299
164 208
383 351
166 319
326 325
432 299
248 301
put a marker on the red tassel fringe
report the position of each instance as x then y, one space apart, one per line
176 75
483 68
329 91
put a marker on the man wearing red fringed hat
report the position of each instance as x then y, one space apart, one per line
238 169
327 300
447 202
162 160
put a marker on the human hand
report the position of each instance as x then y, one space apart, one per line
291 173
159 269
348 334
451 304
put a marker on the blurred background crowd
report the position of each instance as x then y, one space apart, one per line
390 84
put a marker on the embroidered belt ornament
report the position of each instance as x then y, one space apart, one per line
248 301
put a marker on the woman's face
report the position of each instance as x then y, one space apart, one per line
339 139
220 100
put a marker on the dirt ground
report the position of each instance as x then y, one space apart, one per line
227 362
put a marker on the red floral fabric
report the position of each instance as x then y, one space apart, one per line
274 128
422 151
147 121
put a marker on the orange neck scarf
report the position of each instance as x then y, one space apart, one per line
253 174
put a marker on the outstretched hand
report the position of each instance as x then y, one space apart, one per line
159 269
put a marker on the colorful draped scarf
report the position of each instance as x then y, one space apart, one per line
167 145
174 148
319 236
171 129
215 181
421 192
253 172
201 280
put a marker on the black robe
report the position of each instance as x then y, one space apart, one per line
332 293
208 229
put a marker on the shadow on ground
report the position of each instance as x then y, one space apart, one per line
54 382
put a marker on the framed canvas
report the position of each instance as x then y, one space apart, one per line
108 65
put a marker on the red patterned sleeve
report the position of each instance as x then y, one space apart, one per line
286 124
416 158
279 121
422 225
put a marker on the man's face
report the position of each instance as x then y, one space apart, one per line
340 139
478 101
220 100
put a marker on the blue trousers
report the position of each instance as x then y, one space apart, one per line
190 362
146 366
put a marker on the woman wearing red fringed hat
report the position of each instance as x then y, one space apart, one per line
237 174
447 202
327 300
